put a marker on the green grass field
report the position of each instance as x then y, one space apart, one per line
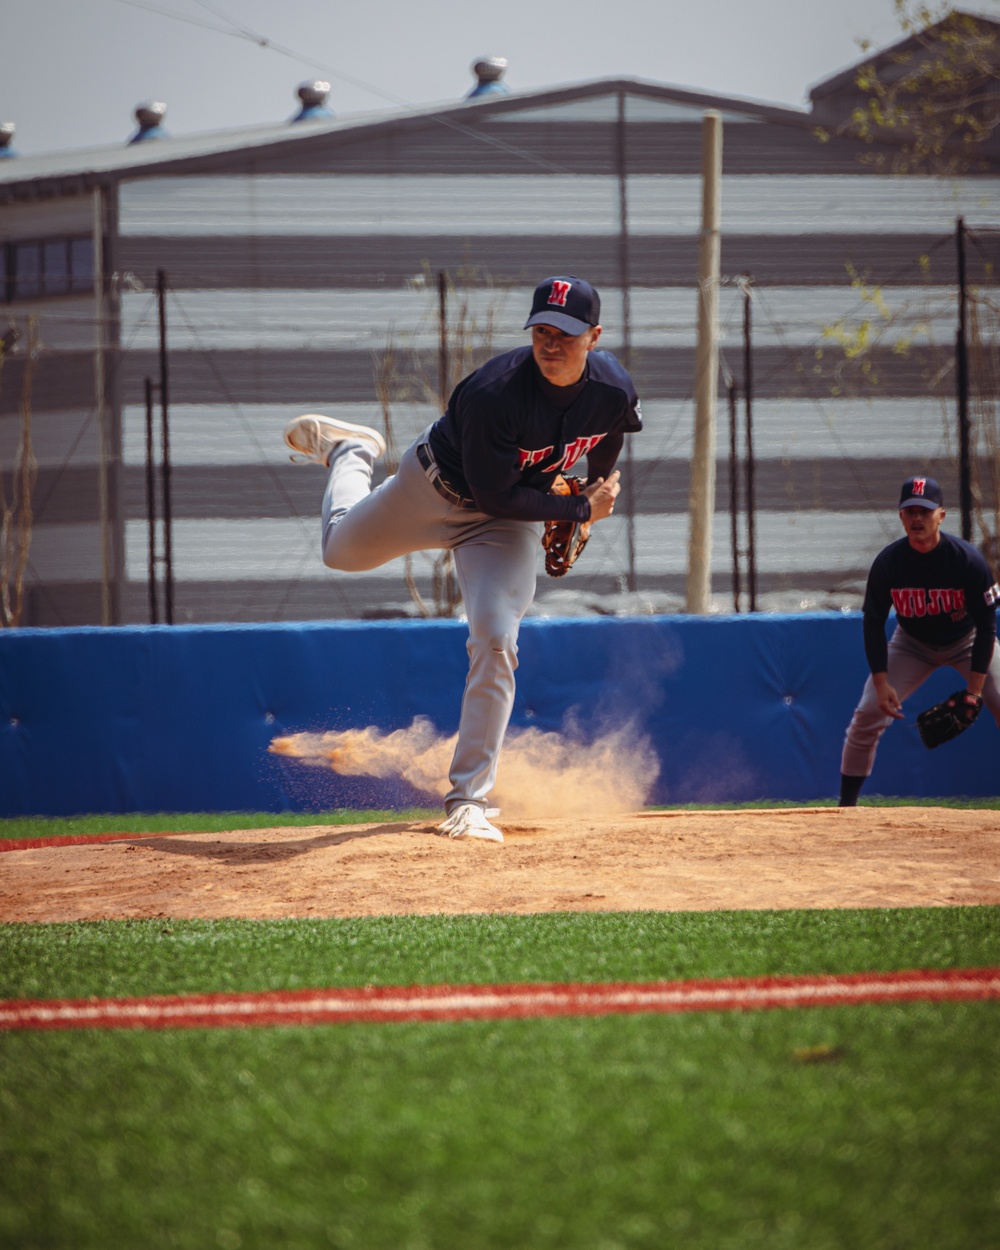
213 822
822 1128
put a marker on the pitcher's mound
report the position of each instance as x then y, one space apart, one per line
649 861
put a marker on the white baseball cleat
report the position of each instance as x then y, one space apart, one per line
469 821
314 437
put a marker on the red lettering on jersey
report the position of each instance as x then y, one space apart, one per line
577 448
909 601
936 601
528 458
574 450
559 292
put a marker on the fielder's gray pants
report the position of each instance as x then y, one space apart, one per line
910 664
495 561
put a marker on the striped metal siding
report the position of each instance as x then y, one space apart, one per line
67 553
292 274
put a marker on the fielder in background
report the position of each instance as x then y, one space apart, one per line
945 599
478 482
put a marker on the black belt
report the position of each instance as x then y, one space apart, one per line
429 465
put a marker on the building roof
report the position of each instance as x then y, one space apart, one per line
915 45
80 170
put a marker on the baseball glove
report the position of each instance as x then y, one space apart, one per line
564 540
949 718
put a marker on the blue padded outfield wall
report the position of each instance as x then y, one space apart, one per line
178 719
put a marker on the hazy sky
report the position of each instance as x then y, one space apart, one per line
74 70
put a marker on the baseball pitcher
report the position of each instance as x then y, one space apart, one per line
479 481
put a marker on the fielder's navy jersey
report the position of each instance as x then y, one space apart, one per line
506 433
939 597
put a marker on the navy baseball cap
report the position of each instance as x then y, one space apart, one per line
921 492
568 303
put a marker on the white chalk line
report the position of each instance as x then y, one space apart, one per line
493 1002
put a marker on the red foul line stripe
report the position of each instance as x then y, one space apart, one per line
394 1004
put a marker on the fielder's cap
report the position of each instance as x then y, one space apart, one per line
921 492
568 303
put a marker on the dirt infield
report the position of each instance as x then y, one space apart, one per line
652 861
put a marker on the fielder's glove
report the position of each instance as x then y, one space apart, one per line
564 540
948 719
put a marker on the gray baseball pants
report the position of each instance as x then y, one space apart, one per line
495 561
909 665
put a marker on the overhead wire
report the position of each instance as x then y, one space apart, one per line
237 29
262 41
172 13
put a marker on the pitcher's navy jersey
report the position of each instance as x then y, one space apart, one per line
506 433
939 597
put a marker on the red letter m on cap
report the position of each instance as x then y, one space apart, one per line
918 485
559 292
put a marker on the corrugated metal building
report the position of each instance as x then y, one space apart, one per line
360 266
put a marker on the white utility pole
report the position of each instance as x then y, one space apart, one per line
702 498
101 407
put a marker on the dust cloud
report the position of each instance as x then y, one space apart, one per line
541 773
